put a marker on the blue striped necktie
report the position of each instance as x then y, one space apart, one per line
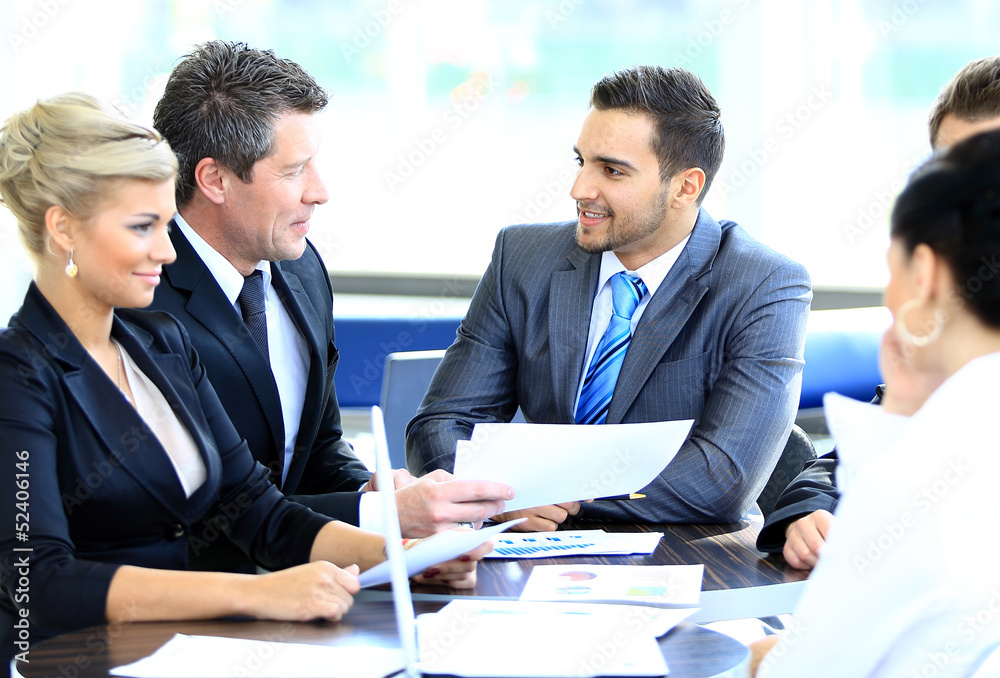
602 375
252 306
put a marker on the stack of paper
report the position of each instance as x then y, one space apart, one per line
466 638
574 543
659 585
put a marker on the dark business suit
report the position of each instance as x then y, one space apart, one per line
324 473
814 489
720 342
98 489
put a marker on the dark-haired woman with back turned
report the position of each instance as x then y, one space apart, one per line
909 581
112 440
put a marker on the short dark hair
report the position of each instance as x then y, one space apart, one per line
952 204
972 95
685 115
221 102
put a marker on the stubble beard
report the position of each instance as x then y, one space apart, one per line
621 233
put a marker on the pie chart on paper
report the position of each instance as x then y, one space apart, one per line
577 576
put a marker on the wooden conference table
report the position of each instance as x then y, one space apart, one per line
739 581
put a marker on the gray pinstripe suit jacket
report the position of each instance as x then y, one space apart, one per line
721 342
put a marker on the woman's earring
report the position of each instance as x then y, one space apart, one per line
918 340
71 268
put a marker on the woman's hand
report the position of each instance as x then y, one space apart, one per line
317 590
459 573
907 386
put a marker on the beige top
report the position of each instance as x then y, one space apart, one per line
168 429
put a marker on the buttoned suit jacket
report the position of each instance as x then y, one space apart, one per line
324 474
721 342
94 485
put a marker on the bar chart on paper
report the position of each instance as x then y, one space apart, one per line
573 543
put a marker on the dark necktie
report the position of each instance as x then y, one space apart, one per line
252 305
602 375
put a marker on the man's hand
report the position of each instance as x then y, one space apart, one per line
400 479
540 518
437 502
805 537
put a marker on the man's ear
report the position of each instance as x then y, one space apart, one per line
61 227
688 185
211 180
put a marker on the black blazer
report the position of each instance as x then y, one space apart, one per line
90 483
324 473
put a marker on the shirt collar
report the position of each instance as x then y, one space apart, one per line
651 274
229 279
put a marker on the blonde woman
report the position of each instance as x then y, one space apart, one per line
112 439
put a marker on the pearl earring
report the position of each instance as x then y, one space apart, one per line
71 268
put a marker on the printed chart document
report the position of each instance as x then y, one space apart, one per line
659 585
433 550
552 639
212 657
554 463
574 543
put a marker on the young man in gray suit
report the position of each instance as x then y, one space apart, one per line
714 331
255 296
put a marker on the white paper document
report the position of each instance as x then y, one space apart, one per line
552 639
433 550
554 463
573 543
212 657
657 585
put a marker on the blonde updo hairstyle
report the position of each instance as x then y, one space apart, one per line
70 150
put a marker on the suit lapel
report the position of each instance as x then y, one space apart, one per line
115 422
293 298
571 300
210 307
666 314
170 372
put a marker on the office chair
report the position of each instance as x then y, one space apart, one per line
405 380
798 450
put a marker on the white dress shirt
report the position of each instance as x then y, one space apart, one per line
284 341
652 275
908 583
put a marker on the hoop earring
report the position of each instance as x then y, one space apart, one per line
71 268
940 317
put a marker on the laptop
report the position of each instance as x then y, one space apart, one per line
401 599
